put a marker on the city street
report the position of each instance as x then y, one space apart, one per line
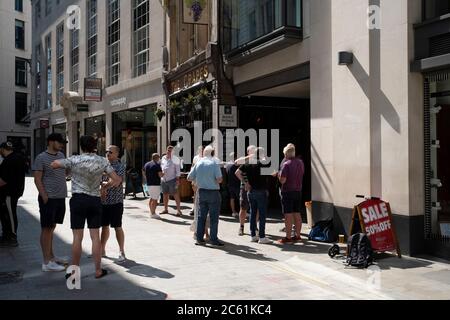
164 264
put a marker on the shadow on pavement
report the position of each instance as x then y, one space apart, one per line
33 284
143 270
242 251
180 223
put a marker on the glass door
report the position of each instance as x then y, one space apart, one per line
440 157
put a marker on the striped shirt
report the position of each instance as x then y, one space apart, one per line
115 194
54 181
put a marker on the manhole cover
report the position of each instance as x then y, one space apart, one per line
10 277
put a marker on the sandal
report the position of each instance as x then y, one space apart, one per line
179 214
104 273
164 212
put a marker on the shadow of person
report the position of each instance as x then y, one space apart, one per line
180 223
143 270
241 251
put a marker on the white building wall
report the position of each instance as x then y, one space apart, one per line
8 53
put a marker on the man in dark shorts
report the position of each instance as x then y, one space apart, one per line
52 188
12 186
112 202
87 172
291 177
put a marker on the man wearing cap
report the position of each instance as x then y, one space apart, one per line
52 188
12 185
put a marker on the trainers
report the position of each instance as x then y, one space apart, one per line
200 243
235 215
122 258
155 216
285 240
61 260
52 266
216 243
255 239
241 231
265 241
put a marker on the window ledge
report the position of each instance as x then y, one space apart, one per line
265 45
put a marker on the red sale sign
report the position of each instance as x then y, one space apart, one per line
378 225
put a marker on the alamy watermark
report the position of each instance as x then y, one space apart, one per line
236 141
73 21
374 17
74 280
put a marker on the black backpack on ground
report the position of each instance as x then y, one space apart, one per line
359 251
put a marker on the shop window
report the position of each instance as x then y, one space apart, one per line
96 127
135 132
246 23
437 140
435 8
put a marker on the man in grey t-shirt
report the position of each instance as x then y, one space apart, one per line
52 188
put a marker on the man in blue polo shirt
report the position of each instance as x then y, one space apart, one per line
208 177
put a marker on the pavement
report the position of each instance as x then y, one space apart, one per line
164 264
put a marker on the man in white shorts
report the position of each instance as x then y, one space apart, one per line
153 173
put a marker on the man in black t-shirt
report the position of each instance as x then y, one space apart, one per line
12 185
256 186
153 173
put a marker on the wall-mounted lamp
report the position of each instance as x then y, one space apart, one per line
345 58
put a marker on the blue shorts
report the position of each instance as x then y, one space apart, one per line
169 187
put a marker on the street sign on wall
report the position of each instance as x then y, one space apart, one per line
93 89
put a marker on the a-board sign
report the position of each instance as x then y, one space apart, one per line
375 219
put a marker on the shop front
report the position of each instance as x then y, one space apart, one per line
437 158
96 127
135 132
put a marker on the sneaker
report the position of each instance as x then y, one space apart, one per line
284 241
61 260
241 231
265 241
52 266
235 215
216 243
155 216
200 243
121 258
179 214
255 239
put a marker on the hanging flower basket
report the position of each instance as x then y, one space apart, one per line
175 107
160 114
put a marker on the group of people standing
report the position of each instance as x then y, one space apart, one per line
97 195
246 181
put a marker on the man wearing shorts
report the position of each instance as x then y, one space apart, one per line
171 167
153 173
87 172
52 188
291 177
112 202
